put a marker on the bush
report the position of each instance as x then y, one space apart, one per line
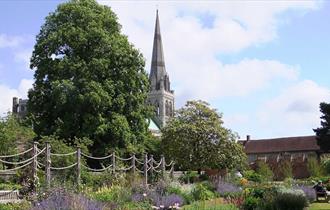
309 192
187 196
189 177
16 206
202 192
224 188
250 203
264 171
116 194
290 200
314 167
252 176
286 169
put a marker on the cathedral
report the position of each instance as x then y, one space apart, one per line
160 96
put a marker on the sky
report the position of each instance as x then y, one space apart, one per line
265 65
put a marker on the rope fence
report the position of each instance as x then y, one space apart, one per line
147 166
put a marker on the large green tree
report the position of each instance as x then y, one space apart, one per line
89 80
323 132
196 139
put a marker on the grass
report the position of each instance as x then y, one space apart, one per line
319 206
214 204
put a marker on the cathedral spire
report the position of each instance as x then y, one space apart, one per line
158 71
160 95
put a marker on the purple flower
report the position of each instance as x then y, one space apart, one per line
166 201
224 187
309 192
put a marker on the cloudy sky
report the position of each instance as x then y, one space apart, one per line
264 64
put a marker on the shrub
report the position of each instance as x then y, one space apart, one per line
202 192
290 200
16 206
264 171
115 193
286 169
189 177
202 205
167 201
326 165
187 196
252 176
250 203
224 188
309 192
60 199
314 167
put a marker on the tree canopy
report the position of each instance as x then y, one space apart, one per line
196 139
89 80
323 132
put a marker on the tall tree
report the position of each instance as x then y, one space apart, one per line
323 132
195 139
89 80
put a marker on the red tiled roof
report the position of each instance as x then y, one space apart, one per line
287 144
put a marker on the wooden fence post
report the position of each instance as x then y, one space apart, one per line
78 165
163 166
35 166
133 165
172 170
151 167
145 170
47 164
113 163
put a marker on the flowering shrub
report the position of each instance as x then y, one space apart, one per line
60 199
202 192
309 192
224 188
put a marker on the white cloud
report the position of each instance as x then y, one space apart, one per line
24 57
10 41
7 94
192 50
295 110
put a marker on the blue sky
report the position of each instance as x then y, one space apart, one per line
263 64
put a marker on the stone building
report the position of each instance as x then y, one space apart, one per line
160 96
19 107
274 152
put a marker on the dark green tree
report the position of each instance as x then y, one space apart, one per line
196 139
323 132
89 80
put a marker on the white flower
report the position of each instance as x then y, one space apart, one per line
155 207
162 206
144 194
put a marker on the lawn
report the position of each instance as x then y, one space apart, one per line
319 206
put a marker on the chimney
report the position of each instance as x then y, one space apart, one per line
247 137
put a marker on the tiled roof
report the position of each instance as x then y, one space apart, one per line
287 144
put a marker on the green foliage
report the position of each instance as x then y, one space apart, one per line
189 177
187 196
264 171
209 206
16 206
251 175
10 186
290 201
250 203
326 166
314 167
286 169
322 133
13 133
195 138
202 192
89 80
117 194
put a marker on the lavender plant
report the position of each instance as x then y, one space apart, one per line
308 191
60 199
225 188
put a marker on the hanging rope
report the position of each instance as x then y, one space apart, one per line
24 161
138 161
96 158
167 165
66 154
157 171
124 159
139 170
19 167
62 168
18 154
160 163
97 170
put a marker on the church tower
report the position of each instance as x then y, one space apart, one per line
160 96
